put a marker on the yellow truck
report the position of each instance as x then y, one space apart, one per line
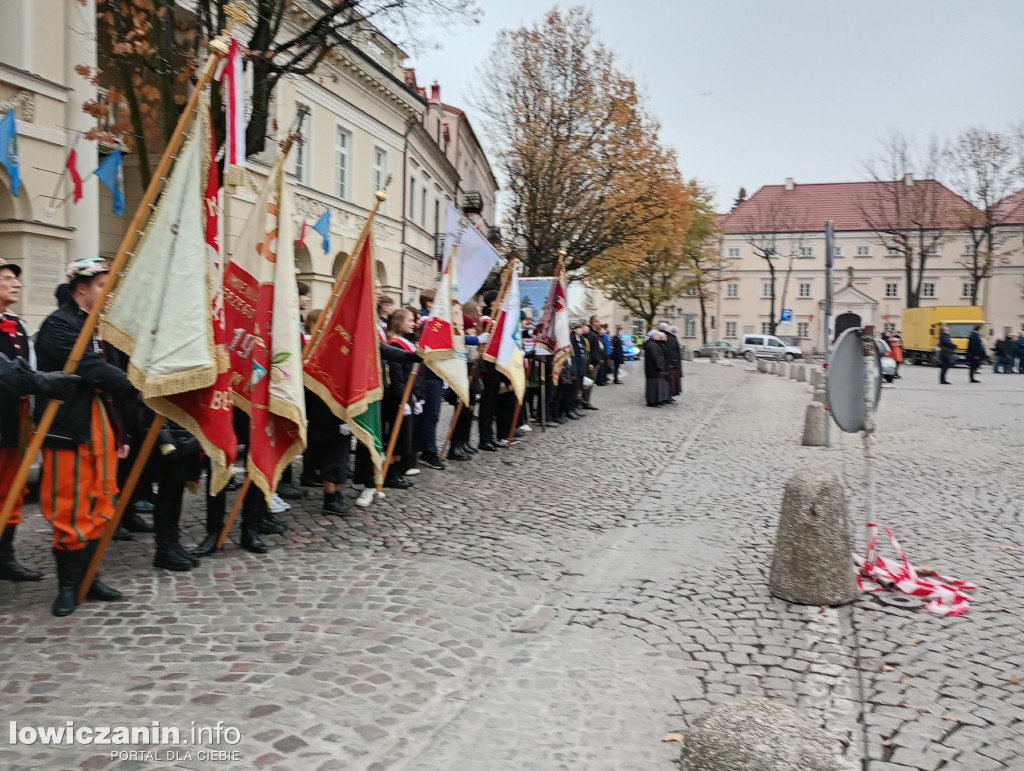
921 328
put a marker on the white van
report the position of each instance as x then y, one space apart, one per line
768 347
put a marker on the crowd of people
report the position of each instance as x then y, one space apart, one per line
663 367
94 440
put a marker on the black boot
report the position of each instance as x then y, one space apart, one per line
169 554
271 525
395 480
458 453
123 534
169 558
133 523
71 567
216 509
208 545
10 568
251 541
97 589
335 505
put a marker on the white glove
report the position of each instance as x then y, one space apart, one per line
484 338
418 407
345 430
407 410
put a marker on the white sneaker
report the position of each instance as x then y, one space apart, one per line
525 427
279 504
412 472
365 497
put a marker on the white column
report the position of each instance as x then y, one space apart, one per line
80 41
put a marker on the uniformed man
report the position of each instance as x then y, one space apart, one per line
80 452
17 380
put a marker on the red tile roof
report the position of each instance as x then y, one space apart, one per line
1011 209
806 208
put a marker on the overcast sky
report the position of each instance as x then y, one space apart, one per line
750 92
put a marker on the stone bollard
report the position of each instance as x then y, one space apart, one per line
813 559
819 395
812 377
756 735
801 374
794 371
687 354
783 369
714 357
814 425
762 365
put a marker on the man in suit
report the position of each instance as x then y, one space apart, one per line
975 352
618 354
947 350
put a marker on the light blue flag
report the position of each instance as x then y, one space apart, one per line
323 227
111 174
9 148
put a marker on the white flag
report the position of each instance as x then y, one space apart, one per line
475 257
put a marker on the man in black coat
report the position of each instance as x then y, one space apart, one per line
655 370
618 354
675 361
975 352
578 362
595 357
947 352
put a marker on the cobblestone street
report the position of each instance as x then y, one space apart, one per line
566 603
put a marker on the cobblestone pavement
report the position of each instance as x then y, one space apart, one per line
564 604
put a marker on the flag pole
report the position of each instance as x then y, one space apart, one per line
506 278
218 49
393 439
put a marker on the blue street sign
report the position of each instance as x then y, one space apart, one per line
787 316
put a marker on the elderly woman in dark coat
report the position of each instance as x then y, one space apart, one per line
655 370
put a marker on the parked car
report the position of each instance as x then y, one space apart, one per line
768 347
888 362
721 347
630 350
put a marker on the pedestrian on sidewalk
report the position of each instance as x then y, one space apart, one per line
947 350
655 370
618 354
975 352
896 344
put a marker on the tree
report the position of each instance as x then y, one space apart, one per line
701 249
768 218
740 198
150 51
577 148
909 217
983 171
644 276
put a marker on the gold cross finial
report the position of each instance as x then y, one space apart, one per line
236 15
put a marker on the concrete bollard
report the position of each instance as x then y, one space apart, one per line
819 395
756 735
812 377
762 365
714 357
783 369
813 559
687 354
794 370
814 425
801 374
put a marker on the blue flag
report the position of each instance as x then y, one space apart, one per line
323 227
111 174
9 148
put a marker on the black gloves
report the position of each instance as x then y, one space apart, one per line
50 385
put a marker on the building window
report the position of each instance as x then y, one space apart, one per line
380 169
423 207
890 326
893 251
805 290
342 145
968 248
802 329
691 292
933 250
302 149
437 215
968 290
412 196
928 290
730 329
806 251
732 290
892 290
766 291
734 252
690 327
837 251
863 250
766 327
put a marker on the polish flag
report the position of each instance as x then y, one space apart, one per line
230 73
72 166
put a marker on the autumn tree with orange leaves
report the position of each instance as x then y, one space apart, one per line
578 150
149 51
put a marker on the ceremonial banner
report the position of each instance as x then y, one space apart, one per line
442 344
506 346
160 312
343 368
261 303
475 258
552 333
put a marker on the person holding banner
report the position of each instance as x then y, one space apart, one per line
80 452
402 323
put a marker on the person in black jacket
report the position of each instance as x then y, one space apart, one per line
975 352
655 370
81 448
675 361
596 358
402 322
947 350
618 354
175 462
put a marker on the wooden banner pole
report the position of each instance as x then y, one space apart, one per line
393 440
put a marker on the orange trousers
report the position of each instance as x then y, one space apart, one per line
78 492
10 459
